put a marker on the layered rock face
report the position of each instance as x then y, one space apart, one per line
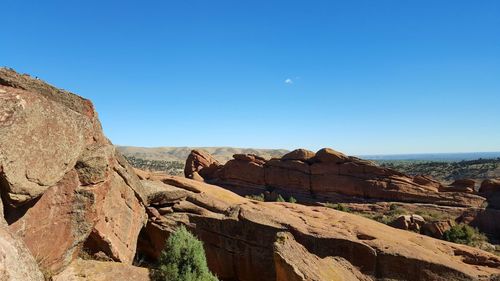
250 240
62 182
329 174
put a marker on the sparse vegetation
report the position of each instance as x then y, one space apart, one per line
338 206
280 198
464 234
259 197
170 167
447 171
183 259
292 199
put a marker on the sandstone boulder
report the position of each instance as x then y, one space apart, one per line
463 185
490 186
199 160
491 190
326 155
303 155
437 229
408 222
62 181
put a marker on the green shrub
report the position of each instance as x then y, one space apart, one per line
280 198
292 199
464 234
259 197
339 207
183 259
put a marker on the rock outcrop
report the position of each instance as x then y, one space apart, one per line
294 263
329 174
62 182
491 190
197 161
408 222
239 235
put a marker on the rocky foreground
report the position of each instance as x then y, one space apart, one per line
73 209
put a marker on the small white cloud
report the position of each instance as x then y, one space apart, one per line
288 81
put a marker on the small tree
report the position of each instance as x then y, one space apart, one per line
183 259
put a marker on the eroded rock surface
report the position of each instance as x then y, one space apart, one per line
294 263
239 235
84 270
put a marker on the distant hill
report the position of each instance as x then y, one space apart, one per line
445 157
180 154
447 171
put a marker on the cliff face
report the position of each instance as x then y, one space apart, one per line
325 175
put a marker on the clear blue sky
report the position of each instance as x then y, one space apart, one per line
363 77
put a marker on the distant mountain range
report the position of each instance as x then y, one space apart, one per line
224 154
180 154
446 157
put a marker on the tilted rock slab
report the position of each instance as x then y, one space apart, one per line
83 270
239 235
326 175
61 180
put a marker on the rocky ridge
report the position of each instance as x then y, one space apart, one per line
326 175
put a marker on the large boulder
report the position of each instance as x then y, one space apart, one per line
462 185
239 235
437 229
491 190
62 181
303 155
200 161
408 222
490 186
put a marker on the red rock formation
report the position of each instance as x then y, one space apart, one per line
328 174
200 160
239 235
61 179
491 190
490 186
408 222
437 229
